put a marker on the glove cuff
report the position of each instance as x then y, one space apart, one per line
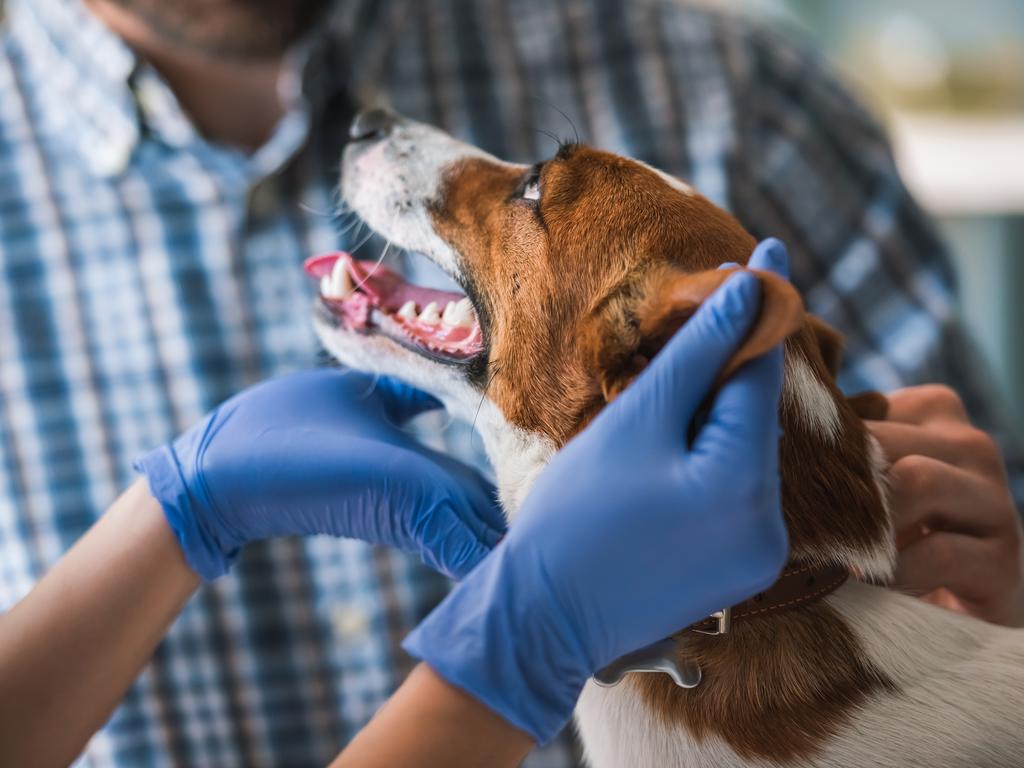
504 649
167 485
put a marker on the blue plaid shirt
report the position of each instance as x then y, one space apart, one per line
148 275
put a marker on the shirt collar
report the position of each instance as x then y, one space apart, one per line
95 92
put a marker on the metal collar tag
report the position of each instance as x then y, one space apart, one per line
660 657
799 584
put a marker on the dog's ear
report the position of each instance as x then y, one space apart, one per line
670 297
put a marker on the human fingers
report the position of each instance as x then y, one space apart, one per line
956 444
974 570
926 493
922 404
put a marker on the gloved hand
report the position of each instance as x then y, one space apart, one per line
628 535
320 452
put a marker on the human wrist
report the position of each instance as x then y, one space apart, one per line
199 543
508 647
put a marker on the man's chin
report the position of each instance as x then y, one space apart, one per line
228 30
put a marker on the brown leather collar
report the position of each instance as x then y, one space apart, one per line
798 585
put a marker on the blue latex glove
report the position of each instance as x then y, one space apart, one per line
628 535
320 452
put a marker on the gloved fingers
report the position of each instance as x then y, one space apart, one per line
743 424
480 511
453 551
437 491
771 255
672 387
476 507
402 402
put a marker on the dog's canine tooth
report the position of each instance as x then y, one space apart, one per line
325 286
341 283
408 311
430 314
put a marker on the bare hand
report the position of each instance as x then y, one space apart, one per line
958 532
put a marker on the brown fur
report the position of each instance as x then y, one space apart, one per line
774 688
577 295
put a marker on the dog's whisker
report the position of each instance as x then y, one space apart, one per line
376 266
569 120
364 241
551 135
373 383
310 209
355 221
495 370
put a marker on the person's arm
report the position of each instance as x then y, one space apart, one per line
430 723
319 452
511 647
70 650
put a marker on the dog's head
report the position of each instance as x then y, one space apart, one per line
575 271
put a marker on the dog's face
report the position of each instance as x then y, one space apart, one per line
578 269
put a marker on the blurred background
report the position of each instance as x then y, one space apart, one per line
947 78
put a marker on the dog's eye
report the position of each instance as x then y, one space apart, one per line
530 189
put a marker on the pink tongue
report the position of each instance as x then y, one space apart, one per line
384 286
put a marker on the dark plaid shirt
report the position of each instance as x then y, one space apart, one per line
148 274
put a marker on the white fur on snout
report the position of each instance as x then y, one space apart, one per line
393 183
392 186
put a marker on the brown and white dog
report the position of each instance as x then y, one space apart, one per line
575 272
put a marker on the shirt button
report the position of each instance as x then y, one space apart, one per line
349 623
110 158
151 98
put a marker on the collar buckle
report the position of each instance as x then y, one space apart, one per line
722 623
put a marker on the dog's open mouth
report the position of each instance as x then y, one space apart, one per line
369 298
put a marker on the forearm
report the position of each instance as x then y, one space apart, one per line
429 723
71 649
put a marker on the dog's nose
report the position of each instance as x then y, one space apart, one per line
373 124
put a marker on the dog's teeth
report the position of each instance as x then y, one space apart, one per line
341 283
462 314
325 286
408 311
449 315
430 314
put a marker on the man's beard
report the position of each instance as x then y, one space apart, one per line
230 29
